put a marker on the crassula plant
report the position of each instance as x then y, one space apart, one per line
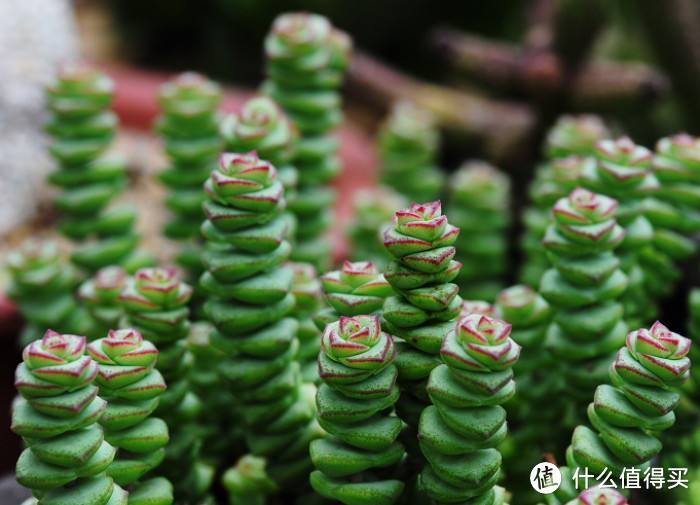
250 303
408 145
584 286
354 402
623 171
427 302
100 295
534 409
188 128
261 126
83 128
674 214
569 145
627 415
356 288
372 210
306 59
460 431
131 385
41 285
155 303
598 496
480 206
57 415
248 483
308 300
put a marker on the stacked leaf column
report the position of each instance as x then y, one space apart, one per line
189 130
622 171
568 147
57 415
83 128
354 406
674 214
408 145
459 432
155 302
306 60
424 308
480 206
42 284
250 304
584 288
628 414
129 382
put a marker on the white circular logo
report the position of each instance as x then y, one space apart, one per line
545 478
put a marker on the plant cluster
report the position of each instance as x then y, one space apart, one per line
390 378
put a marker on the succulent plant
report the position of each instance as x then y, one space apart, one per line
372 211
628 414
250 304
306 59
188 128
247 483
598 496
408 145
534 410
477 307
131 385
308 299
42 284
570 145
263 127
356 288
354 406
459 432
480 206
57 415
155 303
427 302
673 214
584 288
83 128
623 171
100 295
218 423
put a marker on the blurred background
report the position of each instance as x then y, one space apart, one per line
495 75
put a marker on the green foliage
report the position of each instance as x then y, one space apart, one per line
83 128
306 60
308 299
673 212
408 144
568 146
354 404
460 431
426 303
480 206
57 415
155 303
627 415
42 284
622 171
584 288
189 130
100 295
356 288
250 303
131 385
371 212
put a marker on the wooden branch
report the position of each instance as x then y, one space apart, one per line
512 68
502 127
